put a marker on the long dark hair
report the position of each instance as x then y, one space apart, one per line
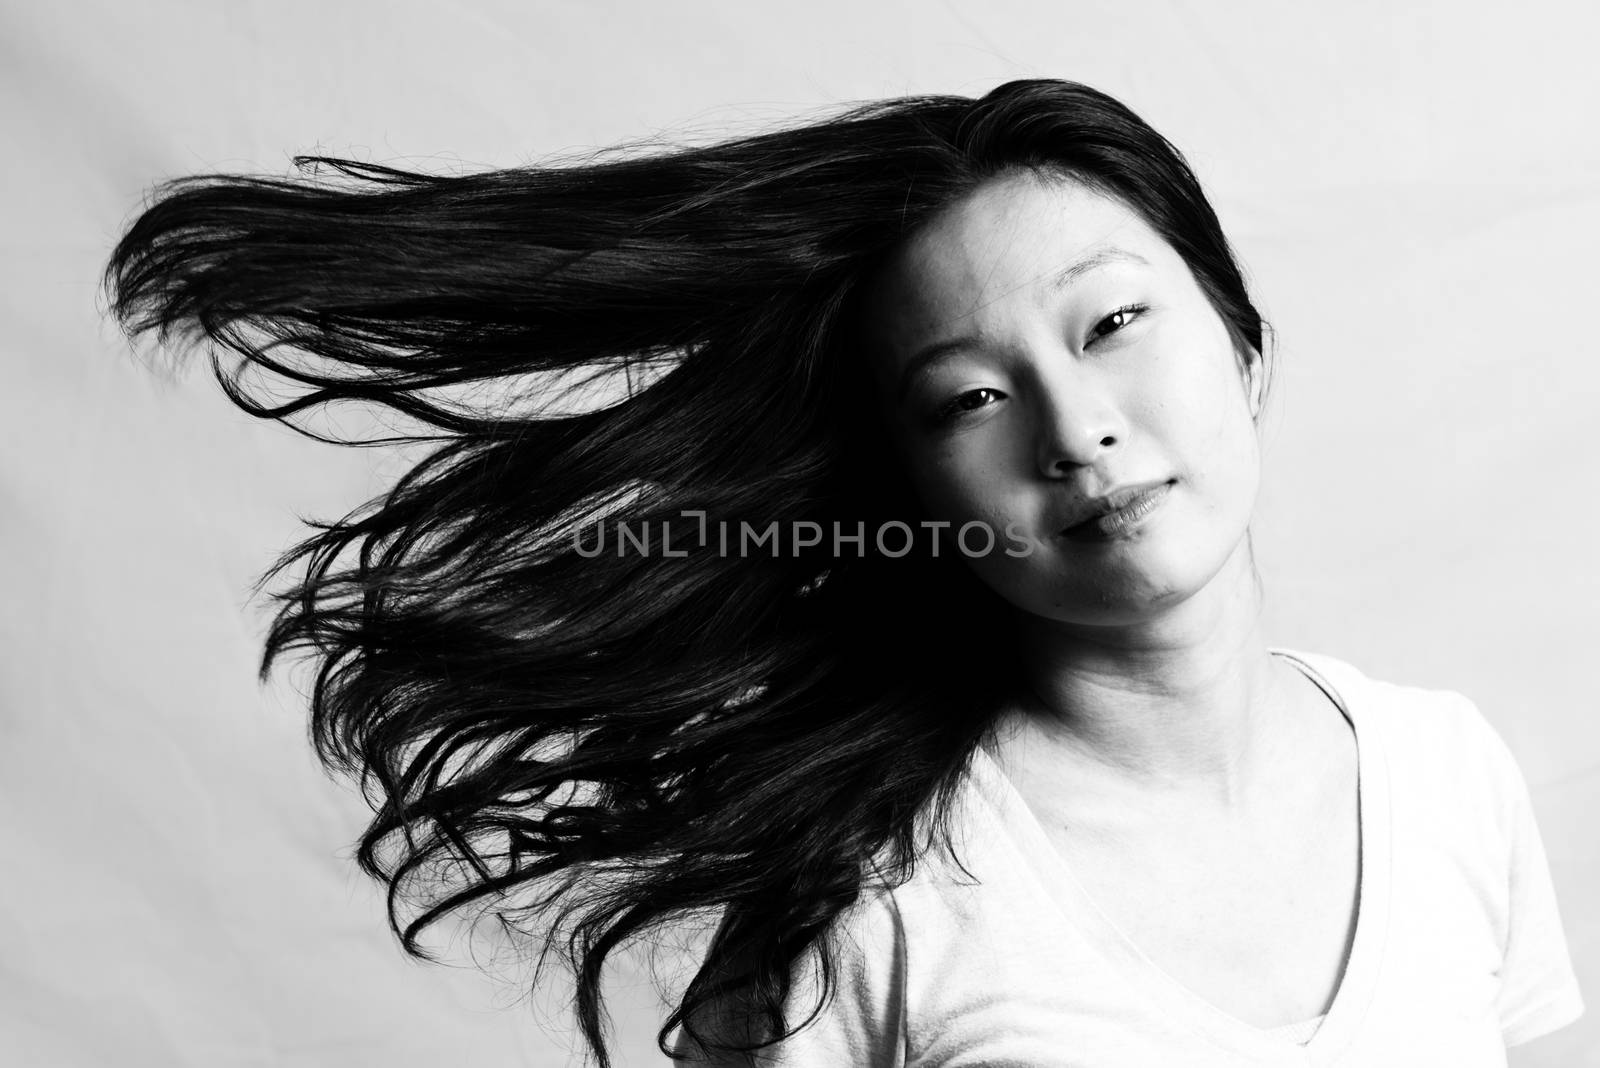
606 741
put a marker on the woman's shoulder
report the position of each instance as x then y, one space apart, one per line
1436 712
1430 736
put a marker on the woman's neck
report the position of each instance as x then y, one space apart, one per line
1189 702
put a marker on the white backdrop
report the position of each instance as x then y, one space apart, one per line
1413 187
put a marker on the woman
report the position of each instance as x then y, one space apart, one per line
903 620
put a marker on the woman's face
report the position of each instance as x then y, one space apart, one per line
1040 348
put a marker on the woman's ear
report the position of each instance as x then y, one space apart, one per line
1255 380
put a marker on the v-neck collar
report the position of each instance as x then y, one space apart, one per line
1340 1025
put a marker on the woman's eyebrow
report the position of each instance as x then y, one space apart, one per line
1063 278
1099 257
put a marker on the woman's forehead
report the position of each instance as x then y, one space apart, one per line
1017 237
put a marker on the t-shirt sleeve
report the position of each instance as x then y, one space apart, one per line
864 1022
1538 989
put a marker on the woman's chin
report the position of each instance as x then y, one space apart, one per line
1140 584
1133 586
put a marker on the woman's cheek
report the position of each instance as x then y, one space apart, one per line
975 492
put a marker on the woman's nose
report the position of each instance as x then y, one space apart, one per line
1076 430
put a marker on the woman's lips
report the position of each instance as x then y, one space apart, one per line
1122 520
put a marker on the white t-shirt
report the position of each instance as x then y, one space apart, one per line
1458 950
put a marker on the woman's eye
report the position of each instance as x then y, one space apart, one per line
1116 321
971 400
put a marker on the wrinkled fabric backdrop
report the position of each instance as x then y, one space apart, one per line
1413 188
